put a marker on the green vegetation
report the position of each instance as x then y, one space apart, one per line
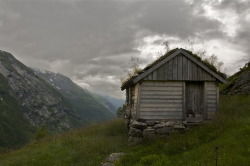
121 111
83 147
225 88
82 102
230 132
14 129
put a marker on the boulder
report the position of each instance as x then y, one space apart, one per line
149 133
150 123
134 132
138 125
163 130
110 160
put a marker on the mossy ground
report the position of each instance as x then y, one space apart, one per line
230 132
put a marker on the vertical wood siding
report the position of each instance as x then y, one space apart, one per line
180 68
161 100
194 98
212 98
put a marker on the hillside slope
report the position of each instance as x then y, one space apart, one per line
15 130
81 100
230 132
105 102
27 102
239 83
115 102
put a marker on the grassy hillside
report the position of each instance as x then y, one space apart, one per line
14 129
230 132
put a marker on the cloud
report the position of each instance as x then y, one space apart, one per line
92 42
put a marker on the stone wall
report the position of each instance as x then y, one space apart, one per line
139 131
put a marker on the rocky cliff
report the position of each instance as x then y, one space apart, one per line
88 105
42 104
239 83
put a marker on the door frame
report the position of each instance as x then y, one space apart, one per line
185 105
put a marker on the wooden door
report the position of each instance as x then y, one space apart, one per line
194 100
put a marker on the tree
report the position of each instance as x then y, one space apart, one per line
167 47
121 111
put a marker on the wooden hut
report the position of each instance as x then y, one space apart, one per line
176 87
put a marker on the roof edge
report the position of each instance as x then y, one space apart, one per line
203 66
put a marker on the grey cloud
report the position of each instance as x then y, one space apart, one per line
94 40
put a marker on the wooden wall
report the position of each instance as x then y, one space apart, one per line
160 100
212 98
136 100
180 68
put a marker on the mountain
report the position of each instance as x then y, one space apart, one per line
114 101
81 100
239 83
105 102
27 102
41 104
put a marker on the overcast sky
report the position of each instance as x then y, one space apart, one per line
92 41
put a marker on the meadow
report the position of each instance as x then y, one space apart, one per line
229 132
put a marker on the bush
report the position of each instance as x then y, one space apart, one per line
41 133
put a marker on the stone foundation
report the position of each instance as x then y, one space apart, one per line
139 131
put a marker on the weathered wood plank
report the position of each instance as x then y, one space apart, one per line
189 70
166 117
211 97
211 109
159 73
155 75
205 100
209 101
175 105
170 70
184 68
160 113
138 99
175 66
166 101
164 83
179 68
165 70
174 97
204 67
156 66
211 92
151 88
160 109
161 93
184 100
211 105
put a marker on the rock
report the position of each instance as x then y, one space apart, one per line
179 126
160 125
163 130
112 158
170 123
134 140
138 125
107 164
133 132
149 133
150 123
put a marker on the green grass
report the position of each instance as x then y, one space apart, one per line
230 131
83 147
